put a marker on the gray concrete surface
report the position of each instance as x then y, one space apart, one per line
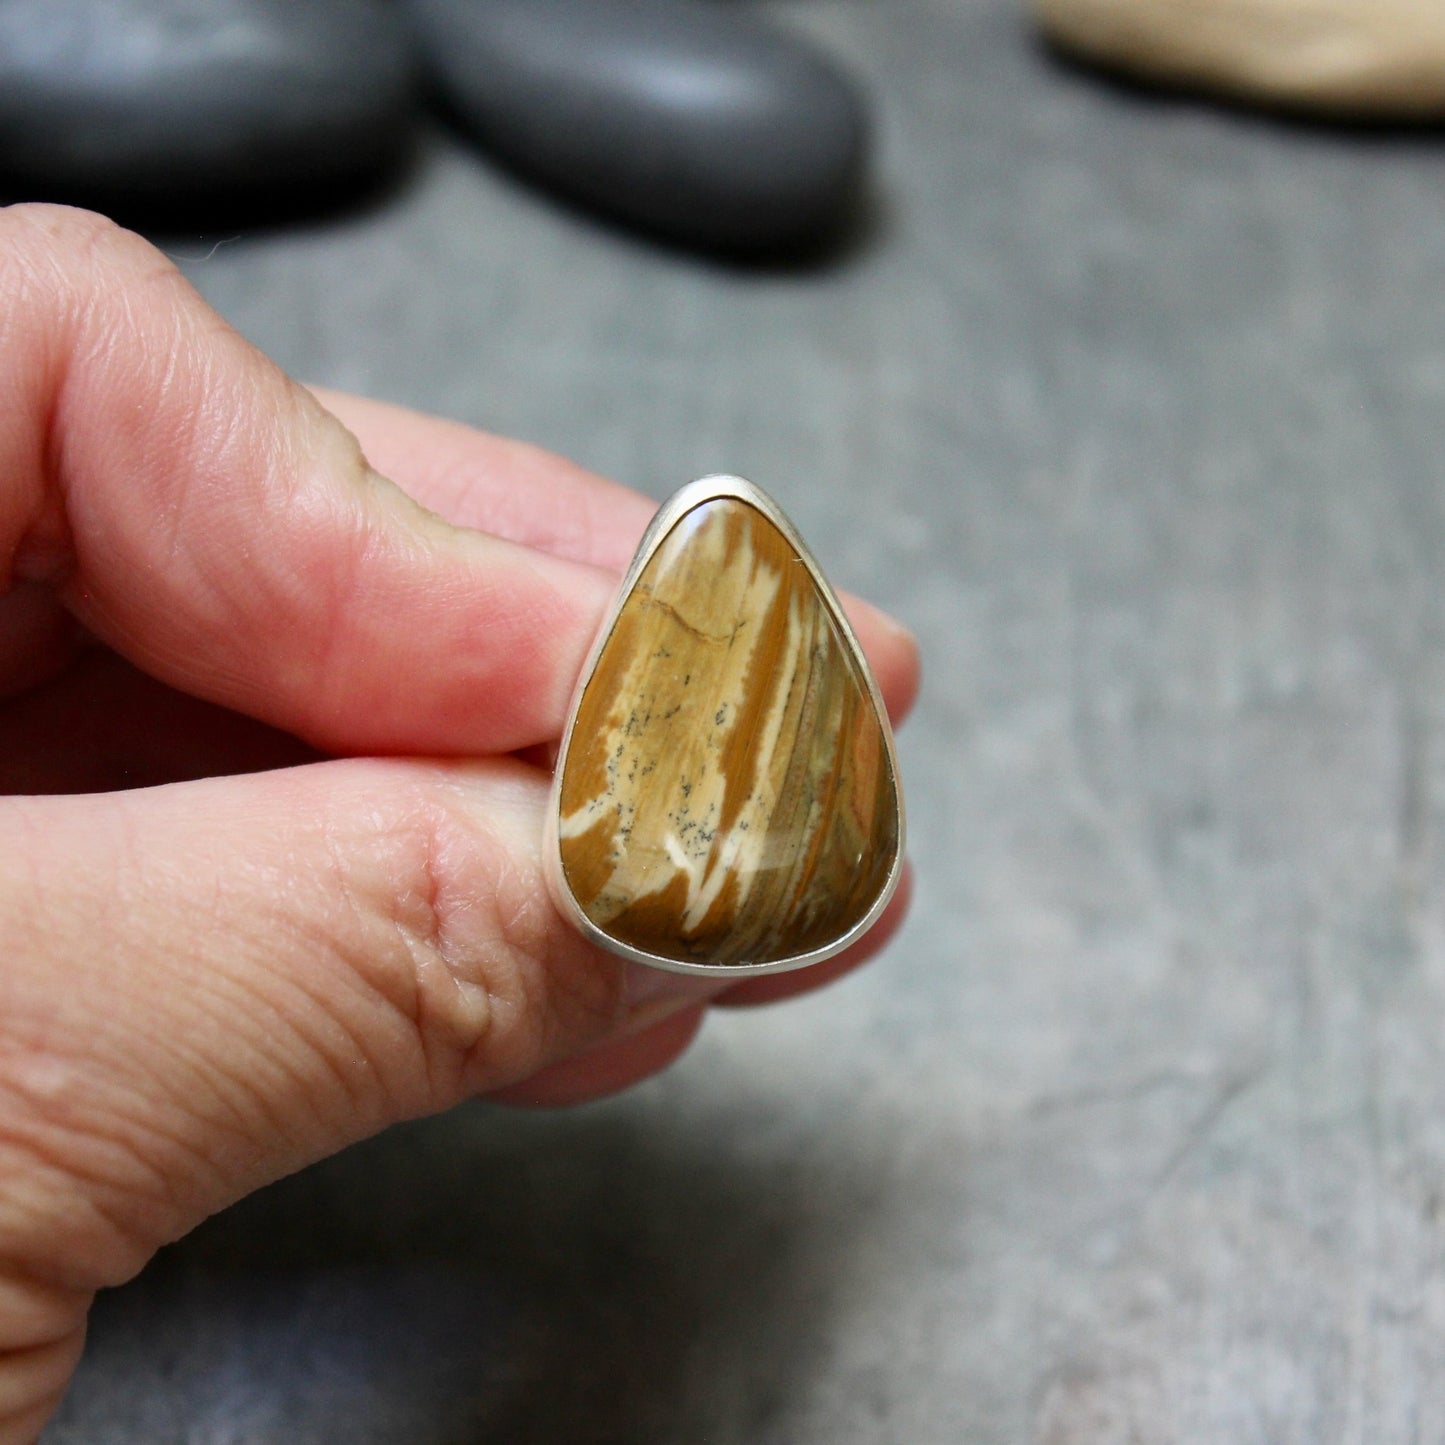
1136 412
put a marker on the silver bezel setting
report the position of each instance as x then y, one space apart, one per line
668 515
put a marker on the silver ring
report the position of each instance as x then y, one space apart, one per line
726 797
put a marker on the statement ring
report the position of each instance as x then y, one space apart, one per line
726 798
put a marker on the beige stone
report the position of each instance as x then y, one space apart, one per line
1366 59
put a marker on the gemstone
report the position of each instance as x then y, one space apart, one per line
727 794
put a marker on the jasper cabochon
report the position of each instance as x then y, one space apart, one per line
728 794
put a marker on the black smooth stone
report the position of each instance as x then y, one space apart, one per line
187 106
685 117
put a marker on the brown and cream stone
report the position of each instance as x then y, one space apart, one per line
727 795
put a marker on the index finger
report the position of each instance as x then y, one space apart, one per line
521 492
206 517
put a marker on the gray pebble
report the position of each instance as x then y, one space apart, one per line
186 106
687 118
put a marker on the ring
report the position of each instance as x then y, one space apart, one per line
726 797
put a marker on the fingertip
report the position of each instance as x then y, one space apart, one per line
893 654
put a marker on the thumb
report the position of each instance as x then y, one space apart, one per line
209 985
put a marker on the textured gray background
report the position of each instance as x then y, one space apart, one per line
1135 411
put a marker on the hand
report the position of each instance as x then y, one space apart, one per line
323 912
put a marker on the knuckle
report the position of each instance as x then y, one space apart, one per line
489 981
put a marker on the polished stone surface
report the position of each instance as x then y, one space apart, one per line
696 120
728 794
1381 60
200 109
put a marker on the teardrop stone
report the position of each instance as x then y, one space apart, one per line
728 795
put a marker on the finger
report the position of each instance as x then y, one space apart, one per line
207 986
541 500
211 521
496 484
103 724
211 984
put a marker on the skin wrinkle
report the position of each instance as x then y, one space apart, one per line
298 1016
22 1304
33 1377
530 1009
435 934
58 1224
493 947
228 465
128 1177
244 1119
378 961
329 1045
457 1008
79 337
103 319
200 1174
256 985
108 1124
407 928
36 1379
48 1097
166 514
21 901
475 974
47 1298
224 999
124 877
271 1030
212 435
